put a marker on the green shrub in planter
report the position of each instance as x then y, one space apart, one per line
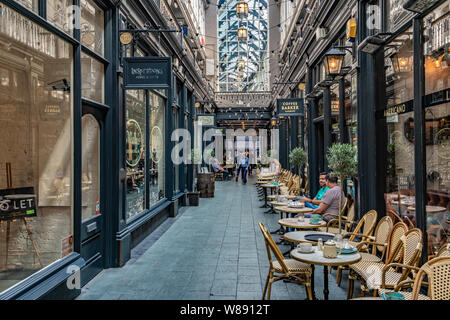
343 161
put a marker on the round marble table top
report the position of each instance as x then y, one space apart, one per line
299 236
317 258
430 209
288 209
306 224
279 204
269 185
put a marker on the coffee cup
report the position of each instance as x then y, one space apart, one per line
305 247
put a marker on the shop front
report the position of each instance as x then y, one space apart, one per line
417 121
53 114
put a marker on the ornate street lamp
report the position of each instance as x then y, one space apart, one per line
273 121
242 34
333 62
242 10
402 62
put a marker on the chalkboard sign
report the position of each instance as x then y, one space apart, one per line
147 72
17 203
290 107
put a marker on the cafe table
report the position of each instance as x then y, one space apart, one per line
265 187
297 224
430 209
317 258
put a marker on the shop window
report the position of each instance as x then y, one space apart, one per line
90 173
93 74
157 155
399 115
136 129
334 95
437 126
58 14
32 5
351 108
92 26
36 141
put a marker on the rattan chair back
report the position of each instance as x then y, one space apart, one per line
394 240
367 224
437 271
271 246
381 233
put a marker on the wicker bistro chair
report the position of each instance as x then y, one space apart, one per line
289 269
367 224
392 273
437 271
373 248
346 220
357 271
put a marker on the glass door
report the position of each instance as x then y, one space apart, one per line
92 238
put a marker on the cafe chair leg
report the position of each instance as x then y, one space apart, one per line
351 281
339 276
265 287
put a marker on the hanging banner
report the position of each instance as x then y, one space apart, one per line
147 72
207 120
290 107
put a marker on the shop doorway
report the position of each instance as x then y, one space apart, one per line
92 225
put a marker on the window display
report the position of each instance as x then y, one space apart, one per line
92 26
157 156
90 174
92 72
400 187
36 129
136 128
437 126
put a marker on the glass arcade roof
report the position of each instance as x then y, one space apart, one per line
243 65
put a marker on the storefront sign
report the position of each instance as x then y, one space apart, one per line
290 107
437 98
206 120
17 203
396 110
147 72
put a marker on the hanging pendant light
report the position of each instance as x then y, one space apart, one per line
242 10
242 34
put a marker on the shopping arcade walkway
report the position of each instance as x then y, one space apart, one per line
214 251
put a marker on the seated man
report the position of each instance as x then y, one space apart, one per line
219 169
314 203
330 200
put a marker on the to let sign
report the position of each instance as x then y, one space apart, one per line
17 203
290 107
147 72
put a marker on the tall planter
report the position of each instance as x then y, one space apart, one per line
343 161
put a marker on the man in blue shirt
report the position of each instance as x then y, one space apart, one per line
315 203
243 163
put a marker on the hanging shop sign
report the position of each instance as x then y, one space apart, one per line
419 6
206 120
290 107
17 203
147 72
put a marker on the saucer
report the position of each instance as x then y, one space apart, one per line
309 251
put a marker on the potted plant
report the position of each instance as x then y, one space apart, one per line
298 158
343 161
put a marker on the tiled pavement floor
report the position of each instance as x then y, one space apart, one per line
214 251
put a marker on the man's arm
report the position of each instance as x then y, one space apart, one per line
321 209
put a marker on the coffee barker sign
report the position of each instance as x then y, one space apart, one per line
17 203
